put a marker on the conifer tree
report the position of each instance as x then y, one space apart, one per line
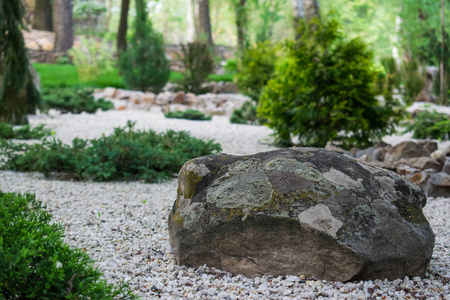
144 64
18 93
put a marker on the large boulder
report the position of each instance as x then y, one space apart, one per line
299 211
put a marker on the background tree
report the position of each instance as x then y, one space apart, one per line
43 15
241 23
18 93
63 25
202 21
144 65
123 26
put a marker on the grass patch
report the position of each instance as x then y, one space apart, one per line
127 154
66 75
35 263
223 77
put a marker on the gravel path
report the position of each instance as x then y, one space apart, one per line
123 226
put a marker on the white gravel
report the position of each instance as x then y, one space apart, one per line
123 226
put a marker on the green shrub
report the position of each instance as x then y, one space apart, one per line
25 132
92 58
430 125
74 100
413 81
255 69
35 263
324 92
144 64
198 64
125 155
189 114
245 115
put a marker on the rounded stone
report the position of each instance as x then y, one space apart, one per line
299 211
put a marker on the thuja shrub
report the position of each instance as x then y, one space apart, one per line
74 100
430 125
7 131
127 154
35 263
198 63
324 92
189 114
255 69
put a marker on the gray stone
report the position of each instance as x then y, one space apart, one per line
431 146
407 149
299 211
438 185
446 168
438 155
423 163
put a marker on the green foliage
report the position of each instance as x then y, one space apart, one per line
222 77
127 154
430 125
18 93
55 76
35 263
198 64
74 100
413 81
324 92
189 114
144 64
25 132
255 69
92 58
246 115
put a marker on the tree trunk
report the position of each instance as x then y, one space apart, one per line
123 26
299 15
241 23
63 24
204 23
312 9
43 15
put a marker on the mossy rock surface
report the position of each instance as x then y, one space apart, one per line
299 211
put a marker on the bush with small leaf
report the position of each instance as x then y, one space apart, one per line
325 92
127 154
36 263
7 131
255 69
430 125
198 63
189 114
74 100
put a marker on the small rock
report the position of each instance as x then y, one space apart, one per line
446 168
438 185
109 92
438 155
331 147
423 163
406 149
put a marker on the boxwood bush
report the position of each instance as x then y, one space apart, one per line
35 263
325 92
127 154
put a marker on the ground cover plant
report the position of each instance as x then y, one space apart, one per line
74 100
325 92
430 125
246 115
127 154
35 263
7 131
189 114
